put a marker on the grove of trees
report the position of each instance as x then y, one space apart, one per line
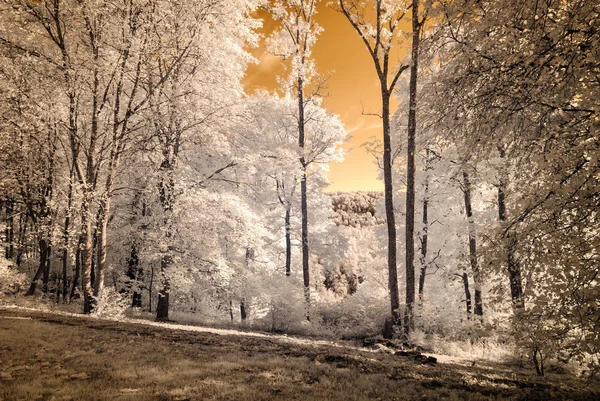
136 171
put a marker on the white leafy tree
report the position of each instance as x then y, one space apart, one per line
295 40
518 86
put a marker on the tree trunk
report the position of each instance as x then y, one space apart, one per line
65 262
87 254
9 234
89 183
101 246
424 239
150 288
65 255
465 279
513 267
46 275
162 307
303 198
472 245
288 240
514 273
41 267
389 205
243 314
78 257
104 211
167 187
410 172
57 291
379 49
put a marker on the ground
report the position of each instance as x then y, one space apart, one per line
47 356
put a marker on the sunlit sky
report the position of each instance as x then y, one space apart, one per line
352 88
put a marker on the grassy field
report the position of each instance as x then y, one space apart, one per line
53 357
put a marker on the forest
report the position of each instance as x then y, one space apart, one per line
139 177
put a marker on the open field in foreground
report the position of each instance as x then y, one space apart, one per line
53 357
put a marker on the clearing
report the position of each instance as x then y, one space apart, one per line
46 356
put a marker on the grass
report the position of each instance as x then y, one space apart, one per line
45 356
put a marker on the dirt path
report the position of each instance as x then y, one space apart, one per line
46 356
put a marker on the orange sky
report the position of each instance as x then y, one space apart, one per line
352 85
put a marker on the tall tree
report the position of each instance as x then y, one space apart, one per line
523 76
295 40
417 24
379 37
430 156
191 112
512 263
473 260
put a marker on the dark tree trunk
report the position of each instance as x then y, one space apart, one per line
231 309
514 273
381 57
513 267
36 277
94 250
303 199
150 289
57 289
43 264
243 314
162 307
465 280
389 205
288 240
65 255
75 283
472 245
47 268
410 172
65 262
424 239
284 199
9 231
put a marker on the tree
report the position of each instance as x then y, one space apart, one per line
379 37
191 114
417 25
268 137
519 77
101 100
30 140
473 261
430 158
296 38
